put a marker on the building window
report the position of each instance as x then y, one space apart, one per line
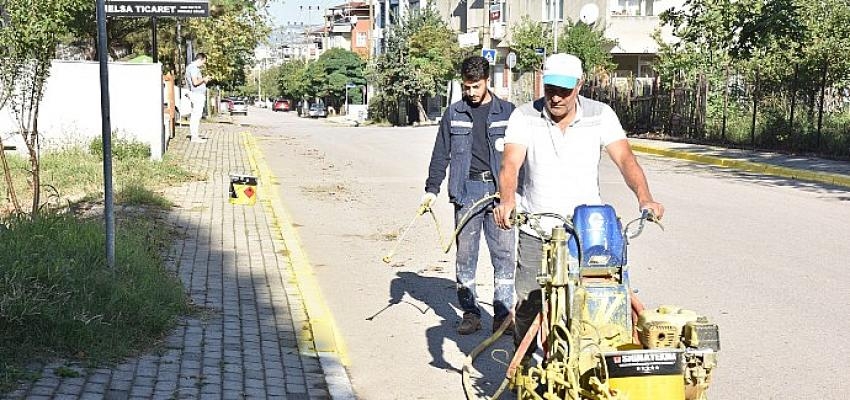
553 10
360 40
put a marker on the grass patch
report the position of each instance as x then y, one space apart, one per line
76 172
122 148
59 299
135 194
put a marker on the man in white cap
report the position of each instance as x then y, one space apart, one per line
558 139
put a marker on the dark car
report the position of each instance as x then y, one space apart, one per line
281 105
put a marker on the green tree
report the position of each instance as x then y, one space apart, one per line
793 50
590 45
586 42
292 80
332 71
421 57
229 40
29 36
527 36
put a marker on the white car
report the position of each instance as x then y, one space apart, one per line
238 107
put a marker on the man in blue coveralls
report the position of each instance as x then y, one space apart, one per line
470 143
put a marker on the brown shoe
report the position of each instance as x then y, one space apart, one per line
498 323
469 324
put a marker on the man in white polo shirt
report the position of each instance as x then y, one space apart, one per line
559 139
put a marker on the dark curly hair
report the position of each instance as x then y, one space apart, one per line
475 68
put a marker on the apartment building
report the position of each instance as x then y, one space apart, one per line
631 23
348 26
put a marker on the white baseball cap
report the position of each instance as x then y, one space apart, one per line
562 70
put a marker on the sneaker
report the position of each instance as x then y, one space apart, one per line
198 140
497 322
469 324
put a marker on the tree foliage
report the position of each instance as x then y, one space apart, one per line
229 40
292 80
790 50
589 44
334 69
586 42
528 35
421 56
29 36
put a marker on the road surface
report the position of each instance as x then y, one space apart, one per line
764 257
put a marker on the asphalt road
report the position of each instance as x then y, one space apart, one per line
764 257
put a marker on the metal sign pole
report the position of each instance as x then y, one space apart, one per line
108 211
154 44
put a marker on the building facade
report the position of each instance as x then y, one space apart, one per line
348 26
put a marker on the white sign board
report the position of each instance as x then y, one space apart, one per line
468 39
510 61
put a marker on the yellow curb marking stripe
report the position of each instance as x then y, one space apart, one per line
324 333
785 172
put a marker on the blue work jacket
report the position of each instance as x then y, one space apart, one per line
453 147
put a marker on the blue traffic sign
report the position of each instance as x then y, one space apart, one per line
489 54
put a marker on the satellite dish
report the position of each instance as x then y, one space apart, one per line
589 13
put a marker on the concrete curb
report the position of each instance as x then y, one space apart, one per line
325 337
750 166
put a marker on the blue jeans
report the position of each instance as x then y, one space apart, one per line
501 244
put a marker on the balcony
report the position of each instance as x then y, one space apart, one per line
633 33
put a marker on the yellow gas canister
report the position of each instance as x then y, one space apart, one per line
243 189
647 374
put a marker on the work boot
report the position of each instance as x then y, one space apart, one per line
470 323
497 322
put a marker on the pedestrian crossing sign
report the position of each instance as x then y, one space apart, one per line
489 54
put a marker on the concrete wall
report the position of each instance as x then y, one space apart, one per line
70 110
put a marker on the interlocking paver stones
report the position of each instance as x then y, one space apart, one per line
246 342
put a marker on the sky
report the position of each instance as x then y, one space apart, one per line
296 11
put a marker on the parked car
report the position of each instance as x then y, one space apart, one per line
317 111
238 107
282 105
226 104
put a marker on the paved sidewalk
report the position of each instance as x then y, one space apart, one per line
251 339
788 166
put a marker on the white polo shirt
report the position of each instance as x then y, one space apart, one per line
561 168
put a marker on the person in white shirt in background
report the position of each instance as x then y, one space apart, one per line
197 85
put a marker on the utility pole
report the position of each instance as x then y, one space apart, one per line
154 44
106 134
485 25
555 13
369 44
260 81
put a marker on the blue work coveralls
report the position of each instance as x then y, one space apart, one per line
453 149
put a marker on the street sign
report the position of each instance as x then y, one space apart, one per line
495 12
540 51
510 61
158 8
489 54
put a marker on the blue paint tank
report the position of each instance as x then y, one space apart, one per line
599 235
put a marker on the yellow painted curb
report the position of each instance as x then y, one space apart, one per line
324 333
749 166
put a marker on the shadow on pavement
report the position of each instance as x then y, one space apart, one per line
438 295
